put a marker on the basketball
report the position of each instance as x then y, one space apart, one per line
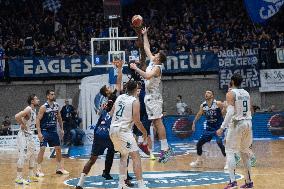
137 20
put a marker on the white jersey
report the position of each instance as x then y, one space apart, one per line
242 105
31 122
122 116
153 85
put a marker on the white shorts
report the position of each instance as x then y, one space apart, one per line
154 106
124 142
239 137
26 145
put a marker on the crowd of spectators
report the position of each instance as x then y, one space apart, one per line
176 26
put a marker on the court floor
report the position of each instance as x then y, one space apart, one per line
268 173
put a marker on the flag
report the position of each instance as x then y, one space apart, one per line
262 10
52 5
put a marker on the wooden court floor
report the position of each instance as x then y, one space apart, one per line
268 174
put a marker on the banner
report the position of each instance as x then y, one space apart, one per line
280 55
261 10
272 80
81 66
244 62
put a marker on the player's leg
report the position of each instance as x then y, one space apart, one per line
31 152
233 141
219 141
40 155
206 137
22 145
137 168
246 142
109 161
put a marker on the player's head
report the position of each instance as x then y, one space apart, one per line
160 57
33 100
179 97
105 91
66 101
50 95
109 105
132 87
209 94
236 80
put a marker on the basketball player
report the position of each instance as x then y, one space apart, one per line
101 142
212 109
26 144
46 123
126 111
153 98
146 148
239 136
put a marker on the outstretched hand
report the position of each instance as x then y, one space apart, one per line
145 30
133 66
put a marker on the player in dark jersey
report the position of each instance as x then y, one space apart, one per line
46 123
212 109
100 144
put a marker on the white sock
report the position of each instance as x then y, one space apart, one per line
31 172
58 165
151 151
19 175
140 183
122 179
82 180
38 166
164 145
231 166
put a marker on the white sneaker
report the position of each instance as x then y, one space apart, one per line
62 172
39 173
226 166
196 163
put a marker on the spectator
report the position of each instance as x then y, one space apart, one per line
6 127
272 108
180 105
76 132
66 113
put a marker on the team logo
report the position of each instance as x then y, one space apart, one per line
182 128
167 179
276 125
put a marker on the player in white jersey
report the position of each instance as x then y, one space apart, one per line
125 113
239 136
25 142
153 98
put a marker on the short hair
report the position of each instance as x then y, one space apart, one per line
30 98
7 117
109 105
162 57
210 91
103 91
180 96
49 91
131 86
238 79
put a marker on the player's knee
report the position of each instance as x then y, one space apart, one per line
21 161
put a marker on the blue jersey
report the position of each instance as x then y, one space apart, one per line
49 119
213 115
102 127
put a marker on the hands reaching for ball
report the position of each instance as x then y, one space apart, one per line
144 30
133 66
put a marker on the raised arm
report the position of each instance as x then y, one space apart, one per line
119 76
146 43
156 71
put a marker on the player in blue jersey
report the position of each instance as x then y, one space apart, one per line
46 123
212 109
100 144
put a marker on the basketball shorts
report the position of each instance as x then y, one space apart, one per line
26 145
239 137
124 142
100 144
50 138
154 106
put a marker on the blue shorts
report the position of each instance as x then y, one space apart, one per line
50 138
209 135
146 123
100 144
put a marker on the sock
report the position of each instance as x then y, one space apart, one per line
19 175
151 151
231 166
122 179
58 165
164 145
31 172
82 180
140 183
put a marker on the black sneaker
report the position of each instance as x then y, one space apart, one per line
79 187
129 177
107 176
129 183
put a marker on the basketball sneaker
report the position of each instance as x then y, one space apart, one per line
32 179
62 172
79 187
144 148
247 185
226 166
21 181
197 163
106 175
165 155
39 173
232 185
253 161
152 157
